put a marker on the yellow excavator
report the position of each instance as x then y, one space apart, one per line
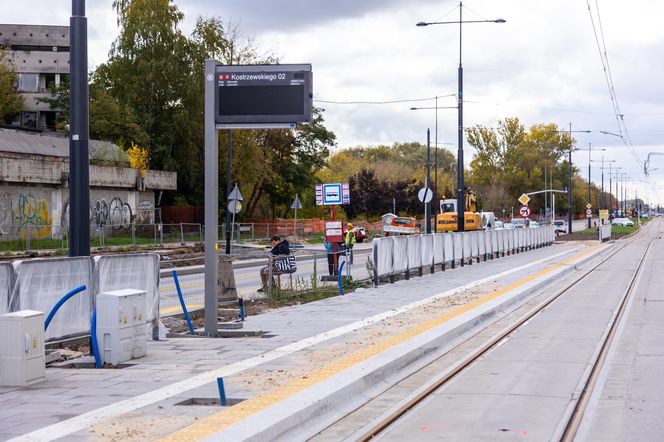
446 220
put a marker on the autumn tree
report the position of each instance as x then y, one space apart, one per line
11 102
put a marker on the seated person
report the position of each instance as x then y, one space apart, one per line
280 249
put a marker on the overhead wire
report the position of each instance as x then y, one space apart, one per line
604 58
373 102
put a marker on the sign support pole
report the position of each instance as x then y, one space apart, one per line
334 246
211 203
229 160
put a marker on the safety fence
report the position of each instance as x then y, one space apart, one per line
604 232
38 284
401 255
39 237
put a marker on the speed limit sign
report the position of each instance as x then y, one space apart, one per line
524 211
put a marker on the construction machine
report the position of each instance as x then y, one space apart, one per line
446 220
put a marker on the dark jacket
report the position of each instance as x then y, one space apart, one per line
281 248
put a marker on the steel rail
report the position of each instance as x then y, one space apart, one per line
477 353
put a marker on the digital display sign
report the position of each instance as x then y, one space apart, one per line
263 94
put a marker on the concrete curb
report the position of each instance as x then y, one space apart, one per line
304 414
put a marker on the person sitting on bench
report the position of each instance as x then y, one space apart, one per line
280 249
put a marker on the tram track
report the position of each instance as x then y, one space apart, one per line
426 389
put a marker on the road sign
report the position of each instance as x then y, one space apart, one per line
332 194
425 195
234 206
296 203
603 214
523 199
589 206
524 211
235 194
589 213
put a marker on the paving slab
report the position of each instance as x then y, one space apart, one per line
192 364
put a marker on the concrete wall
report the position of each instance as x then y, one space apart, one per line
34 195
45 210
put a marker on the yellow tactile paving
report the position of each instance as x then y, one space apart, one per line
232 415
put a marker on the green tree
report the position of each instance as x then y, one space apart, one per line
511 160
11 102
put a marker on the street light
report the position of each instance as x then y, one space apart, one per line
435 180
460 184
569 187
590 149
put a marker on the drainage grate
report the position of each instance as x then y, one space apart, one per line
207 402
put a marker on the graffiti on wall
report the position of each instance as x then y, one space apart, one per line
6 214
116 214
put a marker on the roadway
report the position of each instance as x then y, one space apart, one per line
247 280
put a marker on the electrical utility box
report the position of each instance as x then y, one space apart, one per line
22 357
121 322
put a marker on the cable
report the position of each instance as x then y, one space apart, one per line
604 58
383 102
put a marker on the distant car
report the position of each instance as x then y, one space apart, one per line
533 225
645 215
500 225
560 226
520 223
360 234
622 222
508 226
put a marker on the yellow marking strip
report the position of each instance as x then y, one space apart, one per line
177 308
218 421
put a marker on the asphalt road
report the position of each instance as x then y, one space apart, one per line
247 282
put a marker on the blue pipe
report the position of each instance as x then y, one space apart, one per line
341 284
93 338
241 309
59 304
184 307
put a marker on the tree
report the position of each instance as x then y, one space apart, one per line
11 102
511 160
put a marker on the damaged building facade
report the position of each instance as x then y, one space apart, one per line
34 193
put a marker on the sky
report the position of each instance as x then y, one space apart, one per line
543 65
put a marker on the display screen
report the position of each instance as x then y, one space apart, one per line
263 94
261 100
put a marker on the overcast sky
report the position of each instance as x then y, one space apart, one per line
543 65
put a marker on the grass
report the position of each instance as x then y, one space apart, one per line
59 244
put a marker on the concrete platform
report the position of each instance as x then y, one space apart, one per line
139 402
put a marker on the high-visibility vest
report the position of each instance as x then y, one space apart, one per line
350 238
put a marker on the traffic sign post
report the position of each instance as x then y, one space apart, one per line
524 211
425 195
296 205
524 199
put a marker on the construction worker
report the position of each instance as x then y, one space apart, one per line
349 240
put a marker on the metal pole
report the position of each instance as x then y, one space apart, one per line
229 160
211 203
610 187
436 202
590 220
569 189
427 179
461 209
79 169
602 196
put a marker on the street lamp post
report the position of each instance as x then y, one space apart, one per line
590 149
569 179
460 184
435 179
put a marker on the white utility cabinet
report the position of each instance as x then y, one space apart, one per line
121 319
22 357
